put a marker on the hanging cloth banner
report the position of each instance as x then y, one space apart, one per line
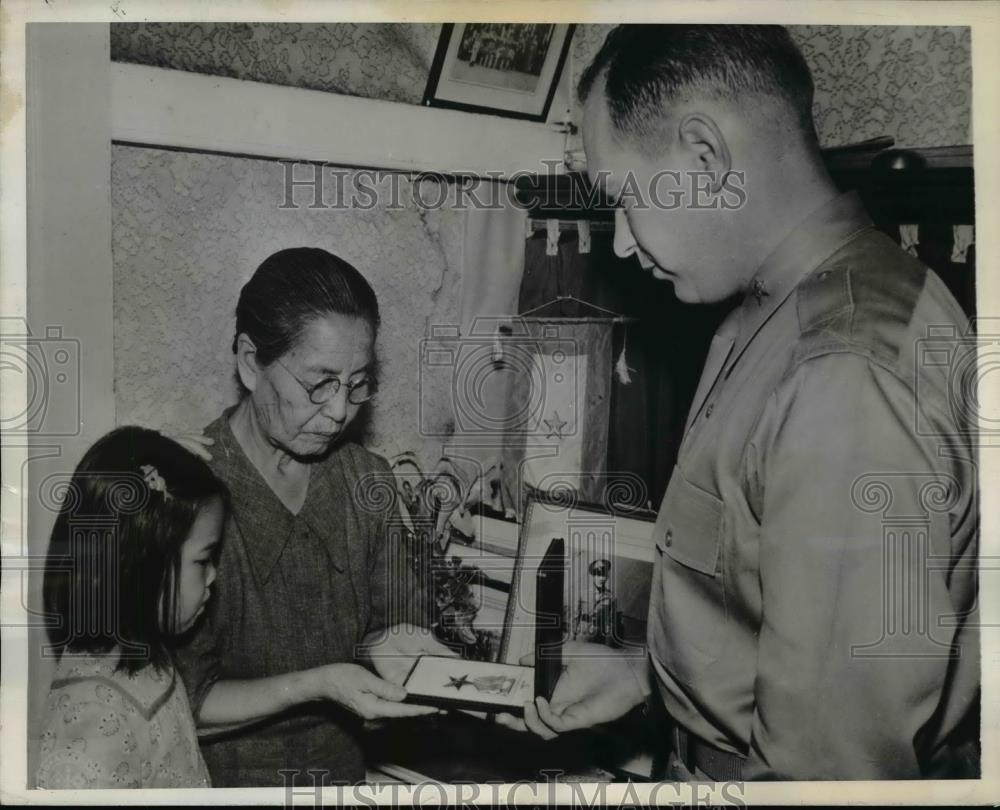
558 405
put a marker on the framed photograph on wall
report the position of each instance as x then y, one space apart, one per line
609 565
508 69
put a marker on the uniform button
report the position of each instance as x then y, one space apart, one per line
824 274
668 538
708 411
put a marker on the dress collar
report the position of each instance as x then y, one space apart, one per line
264 521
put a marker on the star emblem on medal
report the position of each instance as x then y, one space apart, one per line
458 683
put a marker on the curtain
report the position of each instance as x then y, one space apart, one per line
665 347
474 387
493 262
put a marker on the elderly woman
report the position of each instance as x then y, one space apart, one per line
304 581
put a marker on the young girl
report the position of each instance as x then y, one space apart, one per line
131 563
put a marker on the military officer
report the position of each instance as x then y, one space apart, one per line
799 627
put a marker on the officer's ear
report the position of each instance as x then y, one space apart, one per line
702 140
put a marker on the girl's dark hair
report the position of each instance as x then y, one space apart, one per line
114 555
294 286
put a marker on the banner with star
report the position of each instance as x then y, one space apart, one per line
558 406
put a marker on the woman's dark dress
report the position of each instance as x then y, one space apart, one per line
295 592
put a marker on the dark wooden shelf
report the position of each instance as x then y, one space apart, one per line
920 186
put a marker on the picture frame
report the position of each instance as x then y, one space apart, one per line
477 685
609 564
484 569
505 69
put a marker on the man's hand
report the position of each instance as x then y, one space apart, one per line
598 685
393 651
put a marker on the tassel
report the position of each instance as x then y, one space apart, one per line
497 356
964 236
909 238
552 237
583 229
621 366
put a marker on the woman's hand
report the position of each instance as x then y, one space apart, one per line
197 443
365 694
392 651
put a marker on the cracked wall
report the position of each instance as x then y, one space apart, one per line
189 229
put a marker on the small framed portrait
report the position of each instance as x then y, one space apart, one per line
608 569
508 69
473 588
410 484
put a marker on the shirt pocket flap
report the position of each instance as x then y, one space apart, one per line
693 526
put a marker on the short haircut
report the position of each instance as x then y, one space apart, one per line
646 67
291 288
599 568
114 555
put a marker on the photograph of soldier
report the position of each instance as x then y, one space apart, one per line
598 618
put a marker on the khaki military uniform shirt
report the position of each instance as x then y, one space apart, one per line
816 544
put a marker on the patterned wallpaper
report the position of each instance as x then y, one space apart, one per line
387 61
189 229
913 83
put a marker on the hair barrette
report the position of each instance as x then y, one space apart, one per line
154 480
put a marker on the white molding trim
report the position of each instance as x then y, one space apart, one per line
174 108
70 289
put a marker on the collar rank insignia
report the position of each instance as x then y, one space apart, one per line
759 290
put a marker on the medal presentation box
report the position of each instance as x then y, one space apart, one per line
454 683
458 683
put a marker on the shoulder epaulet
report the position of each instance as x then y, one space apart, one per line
865 300
824 299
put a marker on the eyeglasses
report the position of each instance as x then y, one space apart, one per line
322 392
